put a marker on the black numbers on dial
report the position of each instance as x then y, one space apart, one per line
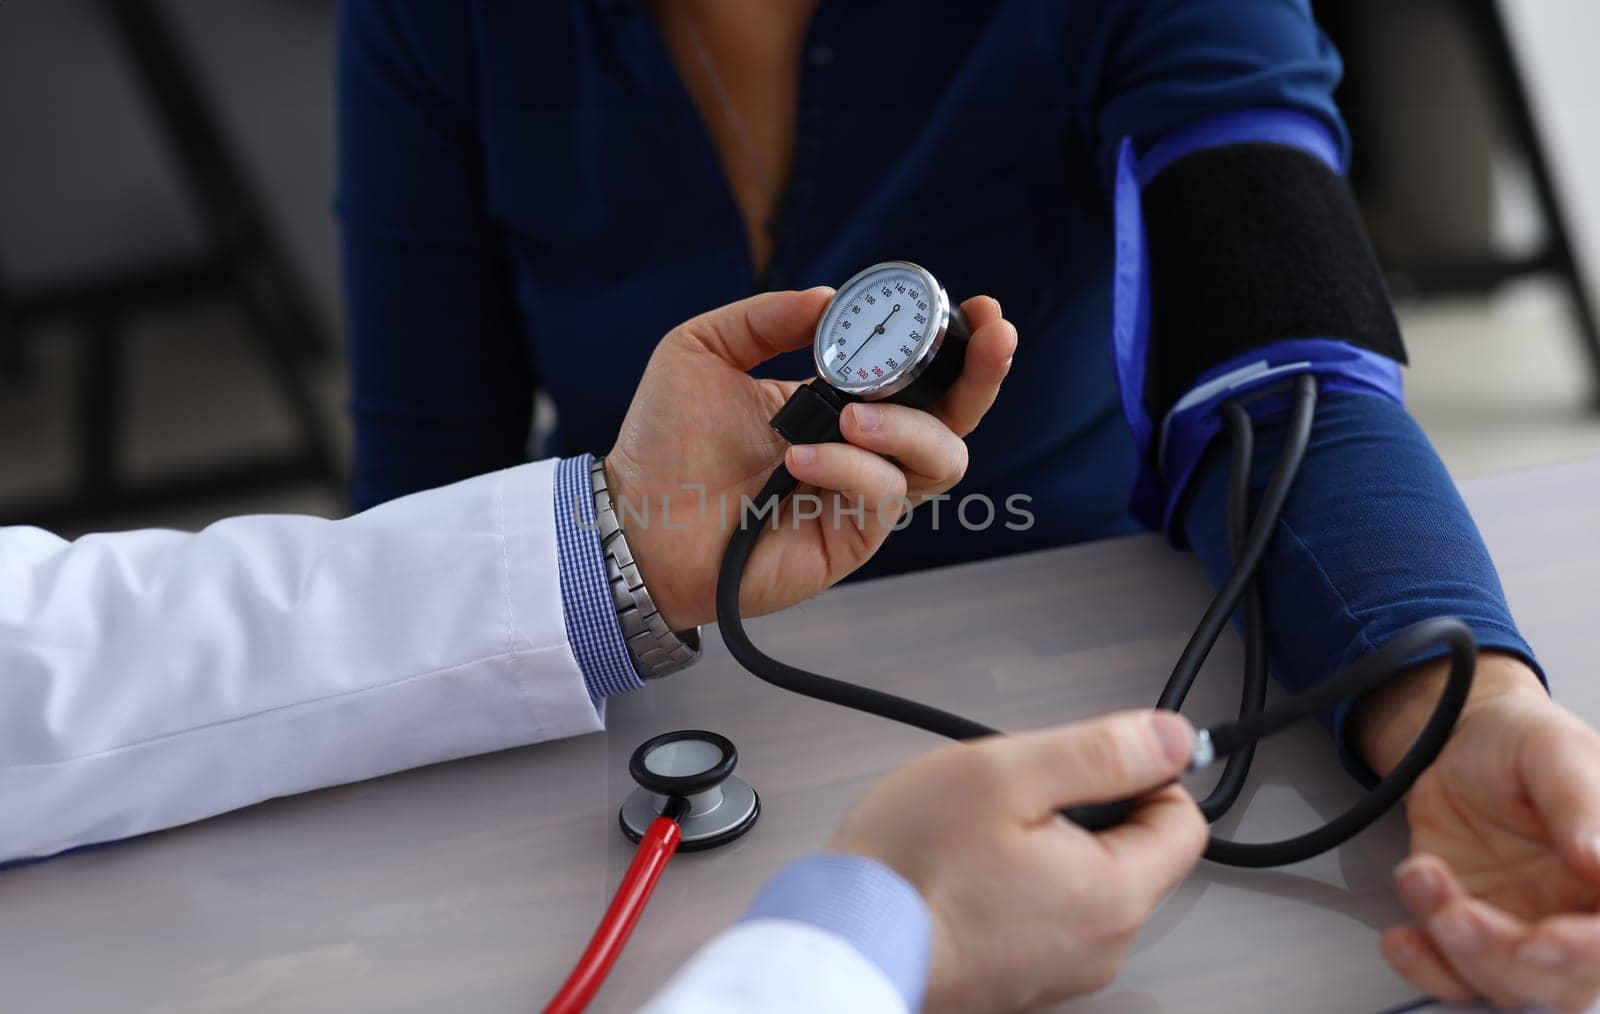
894 315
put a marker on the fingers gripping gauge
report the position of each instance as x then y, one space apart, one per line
889 334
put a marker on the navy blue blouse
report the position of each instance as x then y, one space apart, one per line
530 199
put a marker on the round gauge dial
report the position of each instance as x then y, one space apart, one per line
883 327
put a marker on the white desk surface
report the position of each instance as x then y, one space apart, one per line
471 886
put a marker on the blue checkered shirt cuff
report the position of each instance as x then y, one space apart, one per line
591 615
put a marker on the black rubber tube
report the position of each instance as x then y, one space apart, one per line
1364 674
1234 740
1215 619
792 678
1253 692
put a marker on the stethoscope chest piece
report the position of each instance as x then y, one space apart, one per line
696 767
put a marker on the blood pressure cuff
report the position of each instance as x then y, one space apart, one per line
1240 262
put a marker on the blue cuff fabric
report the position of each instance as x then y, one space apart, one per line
1130 307
872 907
590 613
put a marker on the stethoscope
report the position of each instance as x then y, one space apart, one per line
687 799
691 770
891 334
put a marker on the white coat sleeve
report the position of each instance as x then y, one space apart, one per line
149 678
829 932
777 966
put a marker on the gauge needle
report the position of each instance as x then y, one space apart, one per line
875 332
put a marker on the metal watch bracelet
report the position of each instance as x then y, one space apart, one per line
655 648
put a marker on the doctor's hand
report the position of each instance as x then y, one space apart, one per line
1027 908
696 440
1503 880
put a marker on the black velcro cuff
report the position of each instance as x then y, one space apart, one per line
1251 244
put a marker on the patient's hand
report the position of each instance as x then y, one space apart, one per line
1504 875
699 418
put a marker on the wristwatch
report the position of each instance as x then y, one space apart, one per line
655 648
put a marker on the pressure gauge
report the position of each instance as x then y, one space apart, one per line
890 333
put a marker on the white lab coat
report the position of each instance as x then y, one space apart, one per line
778 966
151 678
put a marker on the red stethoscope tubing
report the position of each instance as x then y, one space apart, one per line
657 846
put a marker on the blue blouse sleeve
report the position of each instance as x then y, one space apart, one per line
1156 66
1373 539
441 385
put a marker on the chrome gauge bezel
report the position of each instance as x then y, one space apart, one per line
906 373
